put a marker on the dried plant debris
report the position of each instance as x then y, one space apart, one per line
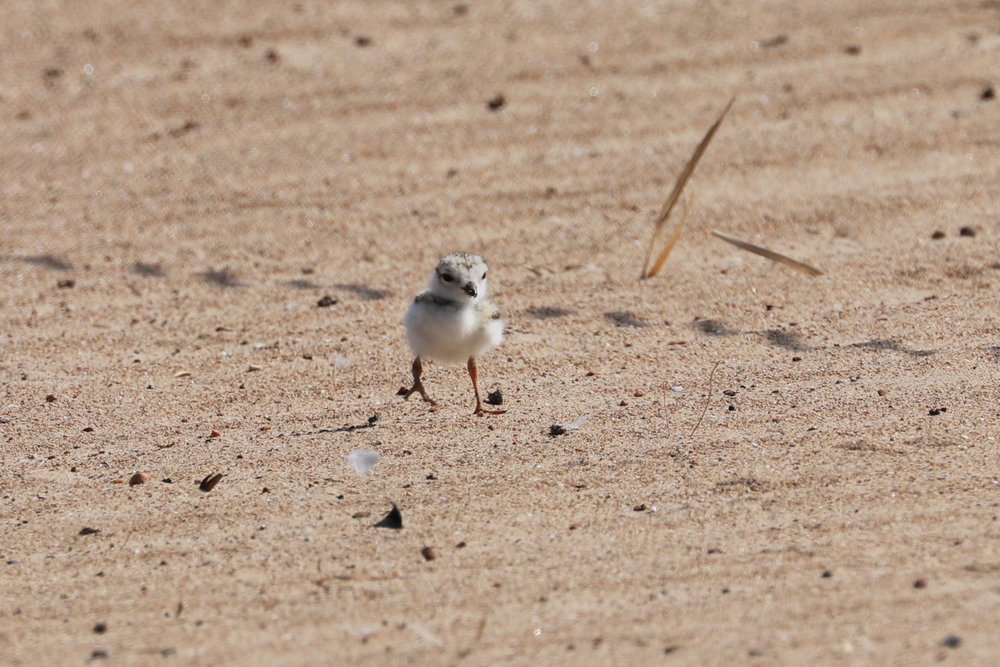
650 268
394 519
563 429
770 254
362 460
209 482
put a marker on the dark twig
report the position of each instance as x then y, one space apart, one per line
707 397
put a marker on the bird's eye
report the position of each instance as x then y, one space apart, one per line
446 277
484 276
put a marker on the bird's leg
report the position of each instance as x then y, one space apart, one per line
418 370
475 387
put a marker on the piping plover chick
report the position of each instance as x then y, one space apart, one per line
453 321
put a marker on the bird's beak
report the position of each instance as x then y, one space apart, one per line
470 289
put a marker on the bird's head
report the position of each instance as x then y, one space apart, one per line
461 277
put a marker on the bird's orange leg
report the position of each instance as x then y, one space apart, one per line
473 373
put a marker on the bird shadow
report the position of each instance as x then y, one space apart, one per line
363 291
371 423
46 261
221 278
149 270
548 312
299 283
892 345
625 318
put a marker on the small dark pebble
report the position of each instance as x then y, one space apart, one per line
729 392
372 420
670 649
50 398
167 480
951 641
496 103
725 591
89 531
363 40
852 50
326 301
495 398
641 507
796 358
732 408
777 40
967 231
557 429
100 628
271 56
394 519
428 553
431 477
934 412
714 551
938 234
65 284
460 545
98 654
88 429
167 652
826 574
920 583
52 72
987 94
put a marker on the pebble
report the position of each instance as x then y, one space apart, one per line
428 553
951 641
967 231
138 478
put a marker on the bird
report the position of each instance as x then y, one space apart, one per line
453 321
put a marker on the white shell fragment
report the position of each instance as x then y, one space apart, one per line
362 460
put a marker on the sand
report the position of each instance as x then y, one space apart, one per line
775 468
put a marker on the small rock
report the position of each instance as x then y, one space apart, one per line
920 583
641 507
98 654
494 398
363 40
967 231
89 531
557 429
934 412
729 392
66 284
100 628
496 103
826 574
326 302
951 641
253 368
988 94
638 393
138 478
394 519
50 398
937 235
428 553
214 434
796 358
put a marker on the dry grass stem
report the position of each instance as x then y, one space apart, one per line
675 194
770 254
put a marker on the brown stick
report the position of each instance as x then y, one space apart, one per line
707 398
